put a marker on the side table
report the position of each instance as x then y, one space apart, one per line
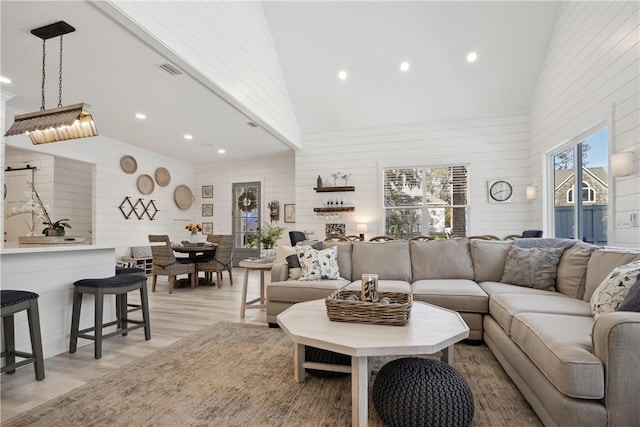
256 302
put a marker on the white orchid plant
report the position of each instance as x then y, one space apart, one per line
38 210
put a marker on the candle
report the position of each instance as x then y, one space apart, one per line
370 287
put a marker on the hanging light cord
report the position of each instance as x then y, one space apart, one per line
60 79
44 53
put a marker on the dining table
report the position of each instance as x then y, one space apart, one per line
198 252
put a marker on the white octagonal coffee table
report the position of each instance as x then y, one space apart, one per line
430 329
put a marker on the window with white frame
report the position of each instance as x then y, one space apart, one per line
426 200
581 164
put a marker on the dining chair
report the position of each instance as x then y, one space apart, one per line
222 258
484 237
422 238
382 238
352 238
165 263
336 238
297 236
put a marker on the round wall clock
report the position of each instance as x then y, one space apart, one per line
500 191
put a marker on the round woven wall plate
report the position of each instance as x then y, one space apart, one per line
145 184
128 164
163 177
183 197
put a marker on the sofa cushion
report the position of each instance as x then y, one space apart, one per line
345 249
318 264
504 306
384 286
560 346
293 291
498 287
454 294
632 301
488 258
441 259
389 260
601 263
534 268
608 296
572 269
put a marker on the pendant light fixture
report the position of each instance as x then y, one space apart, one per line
55 124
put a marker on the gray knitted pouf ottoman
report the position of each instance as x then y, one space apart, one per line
313 354
422 392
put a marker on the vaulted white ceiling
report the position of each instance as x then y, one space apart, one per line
118 73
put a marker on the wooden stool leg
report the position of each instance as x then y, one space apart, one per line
123 315
245 284
144 301
33 315
9 341
75 321
98 323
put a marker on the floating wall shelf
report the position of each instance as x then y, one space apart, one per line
334 189
343 209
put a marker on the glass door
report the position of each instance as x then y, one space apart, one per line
246 220
580 189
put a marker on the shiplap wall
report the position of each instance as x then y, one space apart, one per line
492 148
111 184
591 76
230 44
276 174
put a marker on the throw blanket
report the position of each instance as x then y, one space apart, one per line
547 242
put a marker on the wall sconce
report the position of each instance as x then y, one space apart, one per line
55 124
532 192
622 164
361 228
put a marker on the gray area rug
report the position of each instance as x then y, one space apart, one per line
239 375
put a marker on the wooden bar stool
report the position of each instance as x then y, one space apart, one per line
12 302
119 285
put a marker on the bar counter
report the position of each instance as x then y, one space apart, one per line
50 270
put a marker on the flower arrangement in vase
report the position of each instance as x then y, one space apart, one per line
194 229
39 210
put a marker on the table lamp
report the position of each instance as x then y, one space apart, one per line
361 228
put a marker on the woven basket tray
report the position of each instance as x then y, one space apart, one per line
397 313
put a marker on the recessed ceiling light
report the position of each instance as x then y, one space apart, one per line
472 56
140 116
342 75
404 66
222 151
4 79
187 136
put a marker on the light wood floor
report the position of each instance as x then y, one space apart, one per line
172 318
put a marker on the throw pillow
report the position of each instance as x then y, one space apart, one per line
318 264
612 291
631 302
533 268
295 271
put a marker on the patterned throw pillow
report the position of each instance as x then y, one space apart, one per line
318 264
295 271
608 296
533 268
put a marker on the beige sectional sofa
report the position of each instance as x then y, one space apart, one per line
572 369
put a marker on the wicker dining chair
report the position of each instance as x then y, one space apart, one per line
336 239
221 260
382 238
165 263
352 238
422 238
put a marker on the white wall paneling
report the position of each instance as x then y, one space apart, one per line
492 147
591 75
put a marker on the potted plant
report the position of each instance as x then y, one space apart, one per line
55 228
269 236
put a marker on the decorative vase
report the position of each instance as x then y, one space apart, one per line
193 238
268 254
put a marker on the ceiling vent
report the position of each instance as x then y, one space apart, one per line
171 69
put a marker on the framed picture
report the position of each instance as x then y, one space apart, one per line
207 228
334 229
207 209
207 191
289 213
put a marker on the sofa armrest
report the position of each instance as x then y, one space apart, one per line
280 272
616 341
